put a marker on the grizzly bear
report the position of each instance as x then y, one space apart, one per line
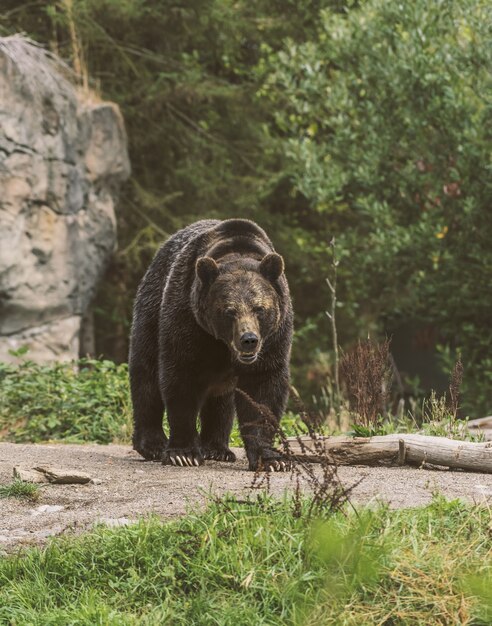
211 336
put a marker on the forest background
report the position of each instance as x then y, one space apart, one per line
369 122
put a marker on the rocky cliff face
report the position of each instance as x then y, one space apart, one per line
62 161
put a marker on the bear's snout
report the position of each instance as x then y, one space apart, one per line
246 338
248 341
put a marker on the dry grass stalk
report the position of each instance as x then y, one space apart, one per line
454 388
78 60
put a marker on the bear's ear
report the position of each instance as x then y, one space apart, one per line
207 270
272 266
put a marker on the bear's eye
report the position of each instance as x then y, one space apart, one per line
229 312
259 310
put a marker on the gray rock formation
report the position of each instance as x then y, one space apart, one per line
63 158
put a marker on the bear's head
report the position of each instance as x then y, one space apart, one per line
239 302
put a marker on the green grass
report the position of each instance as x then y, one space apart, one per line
19 489
256 563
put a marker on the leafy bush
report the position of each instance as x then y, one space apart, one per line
86 401
386 117
77 402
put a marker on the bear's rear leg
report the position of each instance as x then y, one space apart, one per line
217 416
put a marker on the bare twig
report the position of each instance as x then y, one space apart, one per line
332 285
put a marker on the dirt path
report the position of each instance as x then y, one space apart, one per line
130 488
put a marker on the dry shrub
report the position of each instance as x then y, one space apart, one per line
367 374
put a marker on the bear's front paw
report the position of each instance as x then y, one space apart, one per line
150 445
183 457
268 460
218 453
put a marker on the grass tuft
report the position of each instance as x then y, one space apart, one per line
20 489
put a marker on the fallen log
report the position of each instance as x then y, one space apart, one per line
396 449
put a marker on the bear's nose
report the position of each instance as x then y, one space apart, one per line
248 341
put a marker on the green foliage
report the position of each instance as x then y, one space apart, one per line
86 401
385 115
254 562
75 402
21 490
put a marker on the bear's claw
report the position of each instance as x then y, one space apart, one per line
182 458
278 466
219 454
269 460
